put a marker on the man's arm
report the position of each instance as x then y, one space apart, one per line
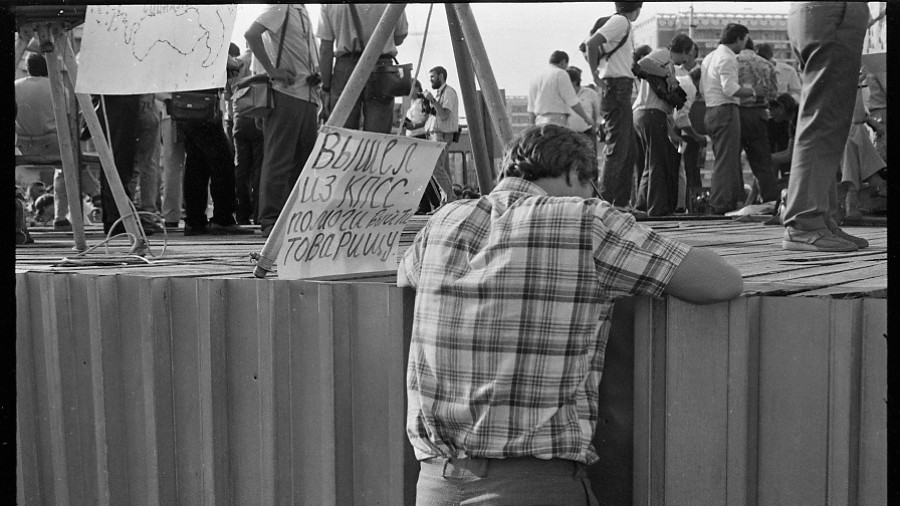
402 278
258 48
704 277
579 109
326 62
593 55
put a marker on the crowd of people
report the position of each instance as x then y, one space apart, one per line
649 113
245 167
737 98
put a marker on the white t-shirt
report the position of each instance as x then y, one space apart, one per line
551 92
299 53
619 64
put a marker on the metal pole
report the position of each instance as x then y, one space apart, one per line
355 84
472 104
691 22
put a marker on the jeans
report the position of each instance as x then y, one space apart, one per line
146 157
521 481
827 39
173 170
208 170
248 159
290 134
615 106
755 142
723 123
377 113
659 179
442 174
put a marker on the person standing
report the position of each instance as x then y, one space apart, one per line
442 125
341 47
788 80
756 72
590 102
146 161
290 129
722 90
172 166
658 189
827 38
249 149
512 316
551 96
613 76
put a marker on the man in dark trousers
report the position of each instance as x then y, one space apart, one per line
514 295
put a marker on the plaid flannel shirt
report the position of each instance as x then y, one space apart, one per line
514 295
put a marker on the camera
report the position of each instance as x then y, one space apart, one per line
420 96
314 79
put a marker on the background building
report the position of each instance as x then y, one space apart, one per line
658 30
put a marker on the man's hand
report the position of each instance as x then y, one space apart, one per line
285 75
428 96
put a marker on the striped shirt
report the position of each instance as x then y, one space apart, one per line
514 295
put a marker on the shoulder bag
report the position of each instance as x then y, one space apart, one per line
386 80
253 96
194 106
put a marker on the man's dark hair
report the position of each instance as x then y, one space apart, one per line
574 74
558 57
440 71
626 7
37 65
681 43
732 32
764 50
749 44
550 151
642 52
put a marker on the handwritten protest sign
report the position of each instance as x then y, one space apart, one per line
131 49
355 193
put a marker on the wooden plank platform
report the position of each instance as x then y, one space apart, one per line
754 248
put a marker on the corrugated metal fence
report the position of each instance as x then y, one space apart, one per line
222 391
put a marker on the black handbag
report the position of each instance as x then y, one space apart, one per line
193 106
253 96
386 80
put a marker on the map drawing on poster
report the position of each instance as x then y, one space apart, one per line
355 194
130 49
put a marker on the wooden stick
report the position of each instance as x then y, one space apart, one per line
471 102
338 117
107 162
483 71
64 136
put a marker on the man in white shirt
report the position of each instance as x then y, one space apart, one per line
612 75
787 76
551 96
442 125
722 90
590 102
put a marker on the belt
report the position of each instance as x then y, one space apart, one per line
620 77
513 466
553 114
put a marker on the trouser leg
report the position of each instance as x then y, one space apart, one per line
755 142
173 171
617 173
442 174
723 125
121 111
827 38
196 176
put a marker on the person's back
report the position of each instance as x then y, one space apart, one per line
513 306
35 122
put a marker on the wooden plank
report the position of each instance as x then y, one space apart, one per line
793 404
697 401
340 304
28 463
263 329
214 410
98 385
743 400
158 345
649 401
872 485
843 402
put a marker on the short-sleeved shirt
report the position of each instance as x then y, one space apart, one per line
788 80
683 116
35 107
299 53
647 98
514 296
336 23
619 64
590 102
551 92
719 77
446 96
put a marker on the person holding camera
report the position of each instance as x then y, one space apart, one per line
442 125
291 127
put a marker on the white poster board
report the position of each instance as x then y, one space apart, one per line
133 49
355 194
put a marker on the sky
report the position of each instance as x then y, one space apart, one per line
518 37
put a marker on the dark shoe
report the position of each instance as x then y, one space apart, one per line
815 240
189 230
62 225
171 224
151 228
243 221
858 241
233 229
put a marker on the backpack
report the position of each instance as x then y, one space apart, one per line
597 25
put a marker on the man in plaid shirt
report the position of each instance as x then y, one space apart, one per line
514 295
